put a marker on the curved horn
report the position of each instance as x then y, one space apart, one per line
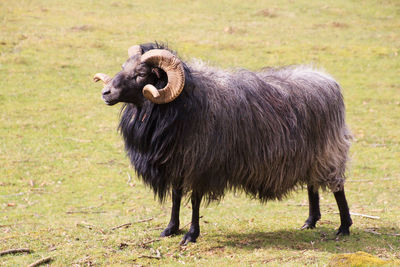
173 67
102 77
134 50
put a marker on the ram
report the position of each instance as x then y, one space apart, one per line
192 129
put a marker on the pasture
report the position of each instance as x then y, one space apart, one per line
67 190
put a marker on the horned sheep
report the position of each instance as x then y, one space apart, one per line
192 129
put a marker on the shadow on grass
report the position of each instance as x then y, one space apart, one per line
320 239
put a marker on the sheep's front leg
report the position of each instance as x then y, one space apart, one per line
173 225
194 230
313 208
345 219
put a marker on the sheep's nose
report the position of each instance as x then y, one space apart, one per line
106 91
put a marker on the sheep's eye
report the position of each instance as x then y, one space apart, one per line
136 77
140 76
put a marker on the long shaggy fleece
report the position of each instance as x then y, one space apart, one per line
263 132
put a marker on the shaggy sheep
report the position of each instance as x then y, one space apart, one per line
194 129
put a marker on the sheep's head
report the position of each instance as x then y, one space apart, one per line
156 75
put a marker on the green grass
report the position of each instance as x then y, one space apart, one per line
60 153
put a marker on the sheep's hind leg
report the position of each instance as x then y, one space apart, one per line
194 230
345 219
173 226
313 208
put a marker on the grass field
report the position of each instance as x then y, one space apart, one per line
63 173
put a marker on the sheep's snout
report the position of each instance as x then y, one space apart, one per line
106 91
109 95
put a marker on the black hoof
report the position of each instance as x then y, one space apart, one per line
310 223
189 237
169 231
343 230
307 226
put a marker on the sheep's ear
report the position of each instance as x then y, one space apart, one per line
134 50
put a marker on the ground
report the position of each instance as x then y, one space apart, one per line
64 178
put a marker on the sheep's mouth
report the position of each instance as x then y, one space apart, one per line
109 102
